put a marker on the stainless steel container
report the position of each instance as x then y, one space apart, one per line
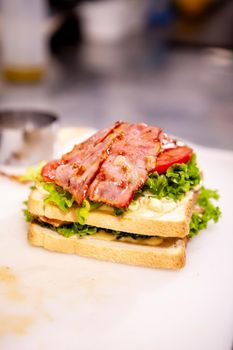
26 136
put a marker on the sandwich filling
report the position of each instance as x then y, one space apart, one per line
204 211
128 170
73 229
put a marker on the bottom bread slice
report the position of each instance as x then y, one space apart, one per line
169 255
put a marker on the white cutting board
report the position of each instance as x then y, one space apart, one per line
57 301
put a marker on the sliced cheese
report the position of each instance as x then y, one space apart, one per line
151 241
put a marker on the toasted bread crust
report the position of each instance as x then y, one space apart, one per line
167 257
140 225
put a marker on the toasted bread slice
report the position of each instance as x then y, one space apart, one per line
172 224
170 254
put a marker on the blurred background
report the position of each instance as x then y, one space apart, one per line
164 62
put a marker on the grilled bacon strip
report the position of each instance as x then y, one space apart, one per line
77 169
77 153
76 177
82 149
110 166
127 166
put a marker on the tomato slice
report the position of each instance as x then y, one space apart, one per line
49 170
172 156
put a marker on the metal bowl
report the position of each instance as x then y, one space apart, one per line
26 136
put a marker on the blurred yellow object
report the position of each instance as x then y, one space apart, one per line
23 75
23 41
193 7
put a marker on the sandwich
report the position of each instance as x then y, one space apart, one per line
129 194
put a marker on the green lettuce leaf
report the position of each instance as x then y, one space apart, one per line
135 236
58 196
28 216
68 230
82 212
95 205
157 185
178 179
118 211
64 201
33 173
208 211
